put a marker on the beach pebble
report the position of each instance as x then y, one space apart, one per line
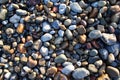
31 63
21 12
103 54
7 75
111 58
67 22
80 73
81 29
69 34
51 71
75 7
112 71
62 8
1 43
92 68
67 69
103 77
82 38
98 63
3 12
93 52
3 1
72 27
109 39
60 76
95 34
26 69
60 58
14 19
46 27
61 33
44 51
9 31
58 40
46 37
37 44
56 24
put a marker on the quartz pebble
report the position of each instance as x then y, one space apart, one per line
80 73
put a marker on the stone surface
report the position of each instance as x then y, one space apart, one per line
60 58
37 44
69 34
92 68
3 13
3 1
75 7
82 38
95 34
52 71
80 73
111 58
46 37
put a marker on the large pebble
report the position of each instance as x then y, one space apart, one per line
60 58
14 19
92 68
46 37
51 71
60 76
37 44
21 12
109 39
7 75
58 40
103 54
67 69
75 7
46 27
69 34
62 8
95 34
72 27
3 13
44 51
67 22
112 71
3 1
80 73
81 29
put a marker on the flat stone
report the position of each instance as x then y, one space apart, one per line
109 39
80 73
60 58
14 19
95 34
112 71
46 37
46 27
75 7
3 13
44 51
67 69
21 12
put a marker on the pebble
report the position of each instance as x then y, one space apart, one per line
67 22
3 1
1 43
9 31
32 75
39 19
93 52
46 37
101 28
58 40
31 63
62 8
21 12
75 7
109 39
42 70
82 38
98 63
37 44
67 69
101 3
26 69
46 27
3 13
61 33
81 29
103 54
20 28
21 48
60 58
92 68
14 19
111 58
52 71
112 71
24 59
44 51
103 77
95 34
69 34
60 76
72 27
56 24
7 75
80 73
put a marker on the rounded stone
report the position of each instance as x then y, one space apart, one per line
75 7
52 71
93 52
44 51
60 58
62 8
92 68
46 37
82 38
46 27
95 34
9 31
21 12
103 54
72 27
67 22
69 34
14 19
111 58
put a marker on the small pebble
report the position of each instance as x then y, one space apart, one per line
46 37
60 58
95 34
44 51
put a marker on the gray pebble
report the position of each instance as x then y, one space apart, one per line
28 43
3 13
14 19
61 33
21 12
62 8
44 51
72 27
60 58
95 34
67 22
69 34
75 7
58 40
46 37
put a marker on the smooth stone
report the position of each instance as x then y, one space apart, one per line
98 63
52 32
60 76
83 4
44 51
72 27
67 22
92 68
62 8
82 38
112 71
103 54
67 69
80 73
21 12
14 19
26 69
37 44
28 43
1 43
7 75
61 33
32 75
46 37
60 58
20 28
92 60
39 19
58 40
55 1
111 58
31 62
69 34
93 52
103 77
109 39
46 27
3 13
102 3
75 7
51 71
56 24
3 1
95 34
67 63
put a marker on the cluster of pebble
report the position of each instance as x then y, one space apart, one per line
59 39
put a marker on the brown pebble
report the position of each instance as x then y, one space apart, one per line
95 44
115 8
82 38
24 59
49 4
85 63
63 27
20 28
11 51
27 19
52 14
60 76
81 29
42 62
52 71
94 13
31 63
103 77
21 48
64 45
39 8
88 45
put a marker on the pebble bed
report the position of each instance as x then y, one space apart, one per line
59 39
